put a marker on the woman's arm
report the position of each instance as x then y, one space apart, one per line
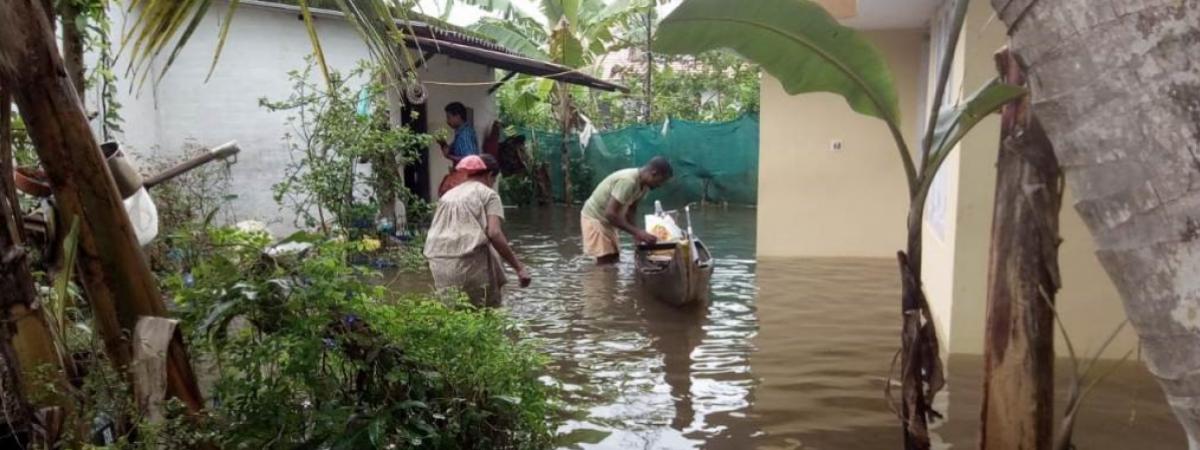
499 241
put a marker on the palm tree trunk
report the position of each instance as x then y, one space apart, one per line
1023 276
112 268
1117 88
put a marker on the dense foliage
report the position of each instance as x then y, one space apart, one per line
307 353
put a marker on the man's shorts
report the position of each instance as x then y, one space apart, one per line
599 239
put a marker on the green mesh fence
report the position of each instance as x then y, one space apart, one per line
714 162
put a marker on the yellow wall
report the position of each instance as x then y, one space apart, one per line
817 202
814 202
956 267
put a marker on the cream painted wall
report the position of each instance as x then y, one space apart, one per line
814 202
955 266
849 203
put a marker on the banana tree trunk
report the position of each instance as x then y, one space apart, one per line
17 283
112 268
1117 88
1023 277
72 45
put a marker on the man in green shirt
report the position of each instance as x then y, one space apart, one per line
612 205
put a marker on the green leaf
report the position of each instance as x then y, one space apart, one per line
583 436
796 41
508 35
565 47
510 399
801 45
314 39
556 10
222 36
954 123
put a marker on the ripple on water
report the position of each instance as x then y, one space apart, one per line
789 354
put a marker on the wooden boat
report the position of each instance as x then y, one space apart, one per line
676 273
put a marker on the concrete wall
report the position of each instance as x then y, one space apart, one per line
263 46
814 201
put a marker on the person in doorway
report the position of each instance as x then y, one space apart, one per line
466 242
463 145
612 205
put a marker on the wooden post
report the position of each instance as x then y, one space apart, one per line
565 130
112 268
1023 277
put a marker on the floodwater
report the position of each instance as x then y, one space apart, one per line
788 354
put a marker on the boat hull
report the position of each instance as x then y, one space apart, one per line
682 279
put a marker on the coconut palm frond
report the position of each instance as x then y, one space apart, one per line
165 26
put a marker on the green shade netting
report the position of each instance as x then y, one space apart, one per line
713 162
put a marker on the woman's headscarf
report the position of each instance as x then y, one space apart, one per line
476 164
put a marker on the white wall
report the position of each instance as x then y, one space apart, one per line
263 46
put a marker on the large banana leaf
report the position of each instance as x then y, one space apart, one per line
796 41
955 122
556 10
565 47
507 34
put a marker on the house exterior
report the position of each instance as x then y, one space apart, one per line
182 111
831 185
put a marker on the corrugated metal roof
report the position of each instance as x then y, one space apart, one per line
443 39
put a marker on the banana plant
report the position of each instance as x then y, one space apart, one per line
800 44
573 33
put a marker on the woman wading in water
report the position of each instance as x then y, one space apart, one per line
466 242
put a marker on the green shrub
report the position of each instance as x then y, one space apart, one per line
308 354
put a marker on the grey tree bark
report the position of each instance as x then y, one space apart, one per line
1117 87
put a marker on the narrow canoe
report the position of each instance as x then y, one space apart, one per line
675 273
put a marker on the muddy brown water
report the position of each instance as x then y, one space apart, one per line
789 353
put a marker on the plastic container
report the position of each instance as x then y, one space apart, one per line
129 181
143 215
663 227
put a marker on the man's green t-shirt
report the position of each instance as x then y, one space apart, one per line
621 185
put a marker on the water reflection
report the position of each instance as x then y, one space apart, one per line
789 354
642 374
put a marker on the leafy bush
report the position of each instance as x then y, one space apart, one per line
336 128
308 354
